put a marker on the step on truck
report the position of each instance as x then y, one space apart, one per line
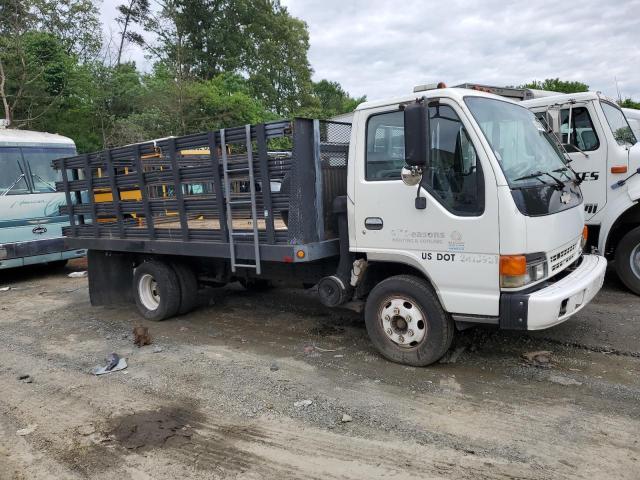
411 211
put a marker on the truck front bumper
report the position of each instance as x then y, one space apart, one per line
555 301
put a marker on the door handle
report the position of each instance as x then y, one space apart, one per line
373 223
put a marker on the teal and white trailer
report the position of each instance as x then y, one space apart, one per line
30 220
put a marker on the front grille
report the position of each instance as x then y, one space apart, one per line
563 256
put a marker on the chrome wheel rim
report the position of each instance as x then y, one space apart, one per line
148 292
403 321
634 260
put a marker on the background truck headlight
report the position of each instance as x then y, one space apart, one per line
520 270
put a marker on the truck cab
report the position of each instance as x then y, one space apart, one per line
603 150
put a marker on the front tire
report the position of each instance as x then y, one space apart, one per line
406 322
156 289
627 260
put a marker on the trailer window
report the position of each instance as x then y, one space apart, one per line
618 123
581 134
13 180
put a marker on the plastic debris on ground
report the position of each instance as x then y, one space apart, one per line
114 364
78 274
302 403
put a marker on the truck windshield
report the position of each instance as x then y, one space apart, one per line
527 154
618 123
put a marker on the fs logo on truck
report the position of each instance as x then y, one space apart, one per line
39 230
588 176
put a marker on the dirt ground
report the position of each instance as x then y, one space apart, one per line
214 395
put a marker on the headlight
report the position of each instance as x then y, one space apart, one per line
520 270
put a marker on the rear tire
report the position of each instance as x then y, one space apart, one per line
156 289
627 260
406 322
188 287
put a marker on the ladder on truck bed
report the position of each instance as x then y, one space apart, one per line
230 202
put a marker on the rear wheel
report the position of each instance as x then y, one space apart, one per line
406 322
188 287
156 289
627 260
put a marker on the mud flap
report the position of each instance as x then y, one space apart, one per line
110 277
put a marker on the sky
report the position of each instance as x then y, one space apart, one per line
383 48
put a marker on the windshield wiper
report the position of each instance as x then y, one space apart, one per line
558 183
20 177
50 185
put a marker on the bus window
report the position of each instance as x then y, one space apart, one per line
42 173
13 180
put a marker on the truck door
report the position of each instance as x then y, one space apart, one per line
587 147
455 239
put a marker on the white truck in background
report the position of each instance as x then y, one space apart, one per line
633 117
603 149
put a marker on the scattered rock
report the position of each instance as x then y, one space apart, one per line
562 380
302 403
452 355
540 358
141 336
338 356
183 329
346 418
26 431
274 367
87 429
24 377
158 349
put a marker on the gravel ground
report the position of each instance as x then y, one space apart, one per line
273 385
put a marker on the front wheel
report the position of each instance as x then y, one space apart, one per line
406 322
628 260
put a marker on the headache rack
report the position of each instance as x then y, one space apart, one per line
251 194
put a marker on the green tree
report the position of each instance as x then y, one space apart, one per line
135 11
629 103
557 85
328 100
258 39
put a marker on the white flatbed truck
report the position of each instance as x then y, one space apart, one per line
411 210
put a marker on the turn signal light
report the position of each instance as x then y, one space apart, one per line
585 236
513 265
619 169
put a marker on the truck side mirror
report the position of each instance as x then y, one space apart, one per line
416 134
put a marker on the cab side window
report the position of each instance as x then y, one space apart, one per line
581 134
385 146
454 176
